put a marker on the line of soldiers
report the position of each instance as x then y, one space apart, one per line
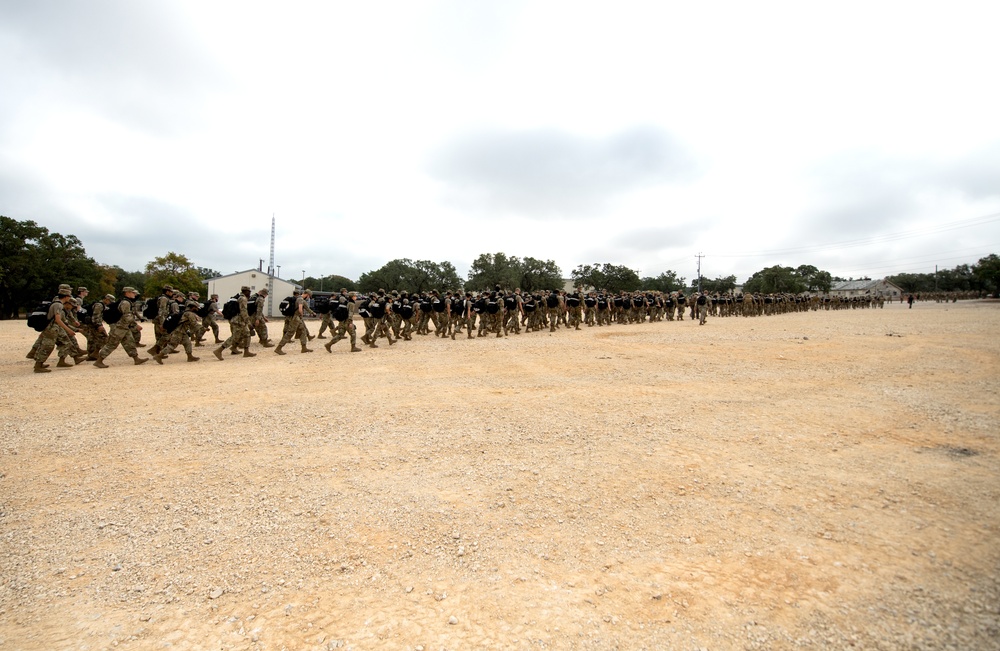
181 322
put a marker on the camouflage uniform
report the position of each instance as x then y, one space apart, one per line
97 323
258 321
341 311
121 333
189 325
209 321
294 328
239 327
56 333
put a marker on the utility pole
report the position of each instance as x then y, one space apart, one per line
270 271
699 256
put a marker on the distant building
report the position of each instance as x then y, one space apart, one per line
871 288
255 279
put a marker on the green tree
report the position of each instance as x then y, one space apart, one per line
668 281
537 274
491 269
331 283
124 278
173 269
987 272
208 274
33 262
510 272
776 279
411 276
815 280
607 277
720 285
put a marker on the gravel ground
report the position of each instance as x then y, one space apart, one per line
819 480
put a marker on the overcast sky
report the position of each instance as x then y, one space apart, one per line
859 137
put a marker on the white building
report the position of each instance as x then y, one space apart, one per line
255 279
871 288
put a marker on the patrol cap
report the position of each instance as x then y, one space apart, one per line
65 292
168 288
192 303
126 290
263 291
65 286
245 288
82 289
110 297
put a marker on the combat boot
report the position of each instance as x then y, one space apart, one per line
247 353
218 352
234 351
79 358
192 358
279 351
329 346
31 353
159 358
392 341
267 343
63 363
321 336
41 368
139 360
100 362
355 349
306 350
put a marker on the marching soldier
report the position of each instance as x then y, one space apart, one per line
239 327
294 328
121 332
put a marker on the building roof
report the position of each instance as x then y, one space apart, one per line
240 273
854 286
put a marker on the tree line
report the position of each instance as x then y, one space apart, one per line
34 261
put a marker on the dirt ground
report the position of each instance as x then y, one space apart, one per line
817 480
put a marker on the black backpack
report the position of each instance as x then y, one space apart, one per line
171 322
84 314
150 309
252 305
204 310
112 313
38 318
288 306
322 305
231 307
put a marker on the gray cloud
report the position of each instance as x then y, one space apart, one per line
868 192
549 173
133 62
976 175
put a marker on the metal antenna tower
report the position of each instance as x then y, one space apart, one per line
270 270
699 256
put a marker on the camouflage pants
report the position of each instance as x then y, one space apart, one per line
345 327
327 322
119 335
239 336
294 329
51 338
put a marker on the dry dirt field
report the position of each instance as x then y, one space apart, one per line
819 480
